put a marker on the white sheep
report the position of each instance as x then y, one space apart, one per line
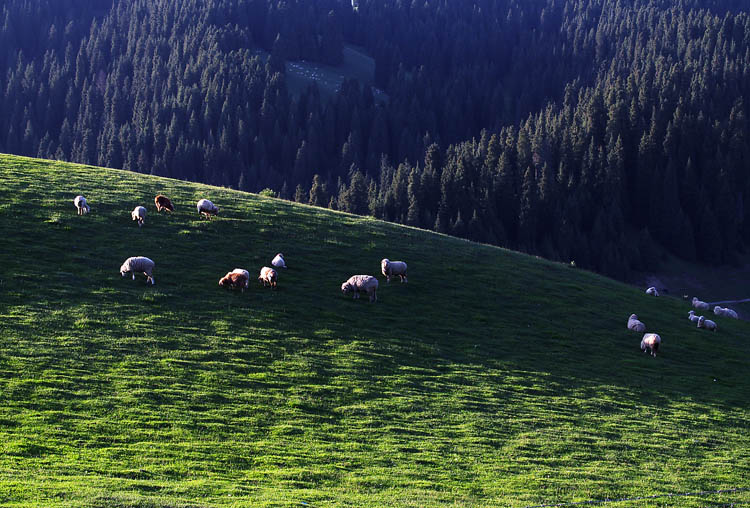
692 317
706 323
139 264
207 208
652 291
361 283
700 305
725 311
245 273
139 214
393 268
650 343
81 205
635 325
278 261
268 276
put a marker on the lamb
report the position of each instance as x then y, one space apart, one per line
652 291
692 317
361 283
245 273
635 325
650 343
700 305
207 208
268 277
393 268
139 214
139 264
725 311
234 280
278 261
162 202
81 205
706 323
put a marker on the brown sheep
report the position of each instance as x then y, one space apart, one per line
234 280
163 203
268 277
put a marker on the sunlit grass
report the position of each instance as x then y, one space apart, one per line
490 379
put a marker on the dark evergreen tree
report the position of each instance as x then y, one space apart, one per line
318 194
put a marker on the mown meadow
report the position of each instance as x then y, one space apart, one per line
490 379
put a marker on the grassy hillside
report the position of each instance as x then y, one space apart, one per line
490 379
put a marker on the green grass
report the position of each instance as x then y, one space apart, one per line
490 379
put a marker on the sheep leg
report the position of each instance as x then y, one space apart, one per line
133 275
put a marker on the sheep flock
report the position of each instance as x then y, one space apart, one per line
238 279
651 342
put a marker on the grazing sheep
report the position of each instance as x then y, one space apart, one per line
725 311
234 280
393 268
706 323
700 305
278 261
245 273
692 317
81 205
652 291
635 325
361 283
162 202
268 276
650 343
207 208
139 264
139 214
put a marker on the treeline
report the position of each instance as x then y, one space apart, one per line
645 152
602 131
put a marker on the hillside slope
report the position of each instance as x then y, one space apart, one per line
491 378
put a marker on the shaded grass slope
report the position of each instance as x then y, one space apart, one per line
490 379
